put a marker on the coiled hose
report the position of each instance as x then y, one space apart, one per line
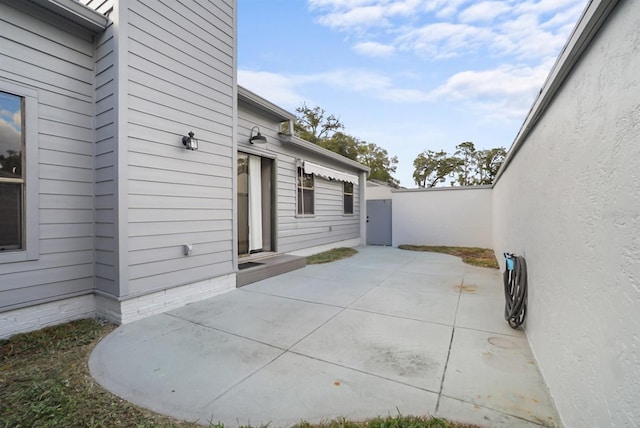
515 290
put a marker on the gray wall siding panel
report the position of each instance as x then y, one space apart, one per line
59 66
328 224
105 136
180 79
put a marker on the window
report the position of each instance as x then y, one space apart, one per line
305 193
19 190
347 193
12 178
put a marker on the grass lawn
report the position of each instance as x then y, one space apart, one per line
331 255
483 257
45 382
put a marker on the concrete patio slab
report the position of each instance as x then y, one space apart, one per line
477 312
418 305
279 322
382 331
295 388
462 411
497 372
317 290
408 351
180 366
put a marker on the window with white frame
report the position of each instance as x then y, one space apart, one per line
19 190
12 172
305 193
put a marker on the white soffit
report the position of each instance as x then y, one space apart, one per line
323 171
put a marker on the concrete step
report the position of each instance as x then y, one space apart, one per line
258 269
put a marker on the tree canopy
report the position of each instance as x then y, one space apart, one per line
466 167
327 130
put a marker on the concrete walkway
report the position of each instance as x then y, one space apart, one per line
383 332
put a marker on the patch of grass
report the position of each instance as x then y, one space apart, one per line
331 255
388 422
482 257
45 381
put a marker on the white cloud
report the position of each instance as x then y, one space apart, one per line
362 16
17 119
277 88
484 11
356 14
524 38
507 91
444 40
373 49
284 90
532 29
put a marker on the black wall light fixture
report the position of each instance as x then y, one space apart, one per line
258 138
190 142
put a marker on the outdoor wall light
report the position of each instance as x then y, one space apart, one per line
190 142
258 138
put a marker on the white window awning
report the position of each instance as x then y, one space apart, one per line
323 171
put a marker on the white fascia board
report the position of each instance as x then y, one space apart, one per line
75 12
592 19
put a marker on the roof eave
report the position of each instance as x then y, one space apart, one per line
75 12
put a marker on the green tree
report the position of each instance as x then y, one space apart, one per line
313 124
343 144
316 126
378 160
431 168
488 163
467 166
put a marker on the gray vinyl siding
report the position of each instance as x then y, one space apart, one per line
59 66
106 278
328 224
180 59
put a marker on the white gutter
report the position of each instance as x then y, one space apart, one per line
76 12
592 19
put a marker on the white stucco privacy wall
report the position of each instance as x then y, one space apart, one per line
458 216
569 201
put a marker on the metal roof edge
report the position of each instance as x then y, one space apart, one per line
75 12
592 19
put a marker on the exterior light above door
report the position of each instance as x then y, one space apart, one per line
258 138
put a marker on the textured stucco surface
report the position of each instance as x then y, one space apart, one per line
570 203
443 216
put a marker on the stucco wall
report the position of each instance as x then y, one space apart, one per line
570 203
443 216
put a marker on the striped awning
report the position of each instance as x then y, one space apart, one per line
323 171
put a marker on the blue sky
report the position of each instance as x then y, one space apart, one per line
407 75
